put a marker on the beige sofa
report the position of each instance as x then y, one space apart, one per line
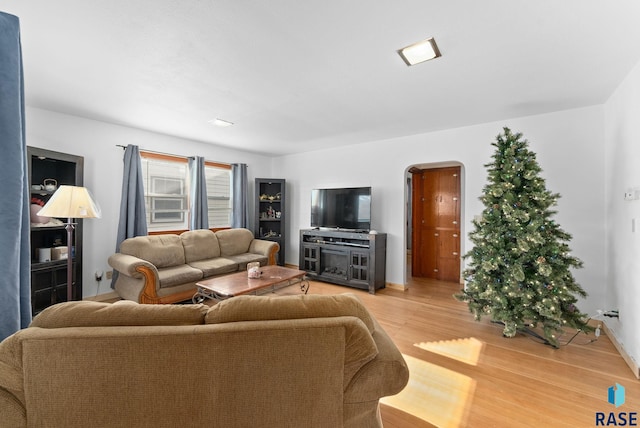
250 361
165 268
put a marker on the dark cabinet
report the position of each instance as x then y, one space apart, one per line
347 258
270 212
47 171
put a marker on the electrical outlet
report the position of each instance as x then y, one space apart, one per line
109 274
632 194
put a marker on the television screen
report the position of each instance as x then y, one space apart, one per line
344 208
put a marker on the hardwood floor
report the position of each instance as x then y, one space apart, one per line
465 374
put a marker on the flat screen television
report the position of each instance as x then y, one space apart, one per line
343 208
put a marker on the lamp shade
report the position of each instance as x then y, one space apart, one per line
71 202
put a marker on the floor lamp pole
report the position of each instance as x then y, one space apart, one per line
69 228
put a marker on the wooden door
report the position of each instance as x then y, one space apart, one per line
436 224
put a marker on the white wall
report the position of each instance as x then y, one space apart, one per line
570 150
96 142
623 245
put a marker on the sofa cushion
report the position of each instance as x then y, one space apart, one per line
159 250
200 244
258 308
216 266
242 259
176 275
100 314
234 241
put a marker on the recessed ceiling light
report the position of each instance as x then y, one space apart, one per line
220 122
420 52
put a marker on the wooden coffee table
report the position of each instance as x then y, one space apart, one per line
235 284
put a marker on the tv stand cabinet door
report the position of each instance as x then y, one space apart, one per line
310 258
359 267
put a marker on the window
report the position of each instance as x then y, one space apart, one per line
165 193
167 210
166 190
167 185
218 194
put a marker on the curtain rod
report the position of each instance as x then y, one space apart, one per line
154 152
172 155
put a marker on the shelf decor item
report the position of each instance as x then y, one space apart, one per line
50 184
253 270
36 206
71 202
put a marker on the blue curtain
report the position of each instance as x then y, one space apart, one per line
239 195
133 215
198 207
15 250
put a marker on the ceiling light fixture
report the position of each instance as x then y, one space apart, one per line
420 52
221 123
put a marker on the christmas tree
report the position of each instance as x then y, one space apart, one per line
519 272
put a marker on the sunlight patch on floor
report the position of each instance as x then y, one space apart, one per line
434 394
466 350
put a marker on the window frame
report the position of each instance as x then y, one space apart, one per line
154 225
154 219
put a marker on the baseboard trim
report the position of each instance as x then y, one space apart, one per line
633 365
103 297
396 286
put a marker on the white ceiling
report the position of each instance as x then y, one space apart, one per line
297 75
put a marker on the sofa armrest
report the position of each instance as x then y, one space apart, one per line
141 271
129 265
265 248
387 374
12 404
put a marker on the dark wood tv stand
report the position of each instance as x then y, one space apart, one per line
354 259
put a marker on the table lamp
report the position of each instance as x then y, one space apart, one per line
70 202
